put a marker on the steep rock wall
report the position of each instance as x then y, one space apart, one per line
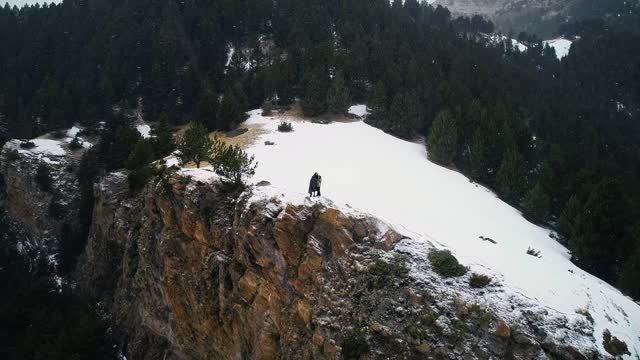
190 269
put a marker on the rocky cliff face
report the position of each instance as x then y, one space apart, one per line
40 211
190 269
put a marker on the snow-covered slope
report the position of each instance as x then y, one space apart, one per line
392 179
561 46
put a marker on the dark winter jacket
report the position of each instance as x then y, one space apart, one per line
313 184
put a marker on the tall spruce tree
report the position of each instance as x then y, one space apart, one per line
536 203
512 175
442 141
314 102
338 97
378 105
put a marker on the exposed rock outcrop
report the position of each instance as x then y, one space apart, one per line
42 212
191 269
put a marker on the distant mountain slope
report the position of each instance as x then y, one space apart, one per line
544 17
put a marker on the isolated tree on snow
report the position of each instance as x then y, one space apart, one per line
195 145
442 141
338 97
231 161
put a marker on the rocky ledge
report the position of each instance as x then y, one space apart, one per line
192 269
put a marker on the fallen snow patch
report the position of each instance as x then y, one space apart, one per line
561 45
359 110
144 130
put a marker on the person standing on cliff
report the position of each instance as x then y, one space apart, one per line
313 184
318 184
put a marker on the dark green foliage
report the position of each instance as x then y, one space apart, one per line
43 320
613 345
267 108
285 126
533 252
43 178
231 161
378 106
207 112
141 155
195 145
599 230
116 143
232 109
163 143
12 155
511 177
338 96
27 145
536 204
442 142
630 276
139 177
76 143
383 273
445 264
477 281
355 344
314 102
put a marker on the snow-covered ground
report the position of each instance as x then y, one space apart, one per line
366 169
561 46
498 38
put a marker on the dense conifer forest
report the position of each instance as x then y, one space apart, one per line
557 139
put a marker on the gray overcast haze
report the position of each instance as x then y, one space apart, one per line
19 3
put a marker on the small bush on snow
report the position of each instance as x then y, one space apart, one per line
12 155
285 126
383 273
445 264
533 252
478 281
613 345
27 145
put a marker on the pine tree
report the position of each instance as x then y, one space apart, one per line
195 145
163 143
314 101
630 276
233 108
141 155
338 97
231 161
442 141
597 242
537 204
511 177
569 217
207 112
378 105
